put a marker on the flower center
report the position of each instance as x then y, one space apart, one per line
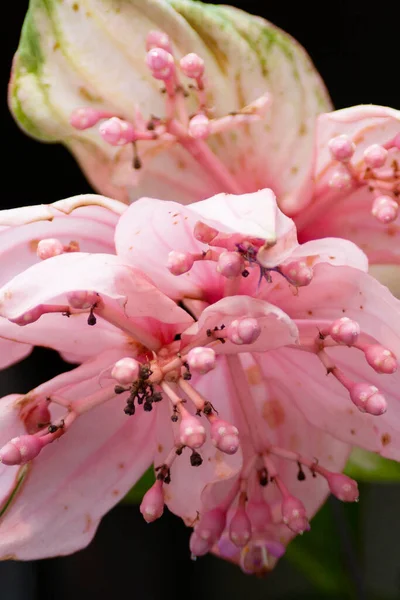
177 125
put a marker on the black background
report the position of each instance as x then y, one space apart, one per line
355 47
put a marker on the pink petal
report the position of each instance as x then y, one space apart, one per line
123 289
277 329
11 426
75 481
18 245
10 351
335 251
55 331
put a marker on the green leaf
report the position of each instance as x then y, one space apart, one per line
135 495
368 466
318 554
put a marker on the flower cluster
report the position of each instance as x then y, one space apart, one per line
240 351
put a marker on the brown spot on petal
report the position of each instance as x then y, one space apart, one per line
9 557
115 492
385 439
121 465
160 448
294 442
253 375
353 431
88 96
75 6
56 46
88 523
33 244
310 260
273 413
66 507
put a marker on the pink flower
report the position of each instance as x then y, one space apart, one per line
241 112
292 358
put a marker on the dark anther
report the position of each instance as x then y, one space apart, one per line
147 406
53 428
66 313
187 376
329 370
129 409
151 126
245 273
300 475
209 408
174 418
163 473
195 459
263 477
92 318
137 163
120 389
179 450
209 333
177 337
156 397
145 372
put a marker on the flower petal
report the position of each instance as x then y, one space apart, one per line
75 481
277 329
125 290
55 71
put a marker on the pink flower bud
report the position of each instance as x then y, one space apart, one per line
126 370
345 331
381 359
192 65
179 262
37 417
48 248
117 132
201 360
341 148
204 233
385 209
260 515
199 127
161 63
375 156
191 431
20 450
243 331
342 487
84 118
198 546
340 180
225 436
82 299
240 528
211 525
152 505
230 264
297 272
294 514
158 39
368 399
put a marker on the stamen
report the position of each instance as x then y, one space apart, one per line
158 39
230 264
379 358
297 273
48 248
21 450
341 148
191 431
201 360
199 127
343 331
126 370
84 118
385 209
37 418
204 233
365 396
243 331
240 525
224 435
375 156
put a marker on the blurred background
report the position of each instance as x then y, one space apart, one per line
352 552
